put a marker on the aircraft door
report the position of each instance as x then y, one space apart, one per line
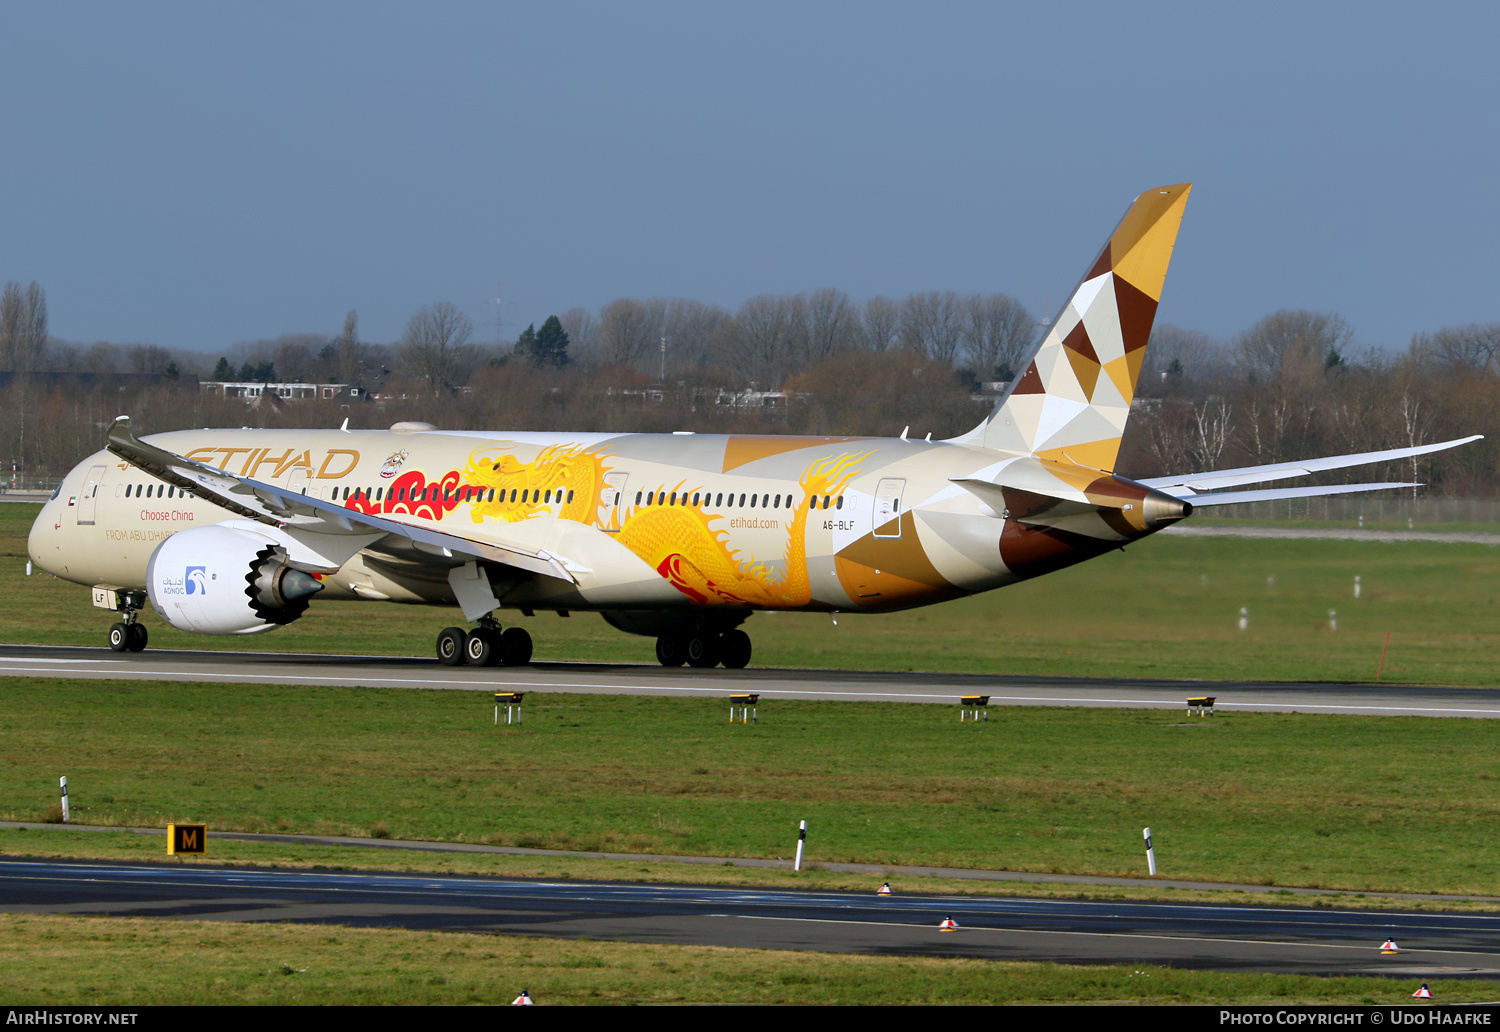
888 508
89 496
612 502
297 480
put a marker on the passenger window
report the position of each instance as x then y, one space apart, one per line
719 500
765 500
637 498
742 501
841 502
778 502
513 495
695 498
492 494
752 501
673 499
570 496
549 497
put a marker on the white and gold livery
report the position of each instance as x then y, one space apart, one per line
678 536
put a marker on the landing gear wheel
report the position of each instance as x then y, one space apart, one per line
483 646
450 646
119 637
671 650
136 637
734 649
703 651
515 647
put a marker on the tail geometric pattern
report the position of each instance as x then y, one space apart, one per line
1071 402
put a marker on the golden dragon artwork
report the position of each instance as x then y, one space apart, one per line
686 544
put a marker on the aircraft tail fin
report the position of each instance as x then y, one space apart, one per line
1072 399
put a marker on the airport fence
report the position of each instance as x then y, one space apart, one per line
1369 509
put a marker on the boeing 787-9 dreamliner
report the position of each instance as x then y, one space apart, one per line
681 536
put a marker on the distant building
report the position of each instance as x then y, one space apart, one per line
252 392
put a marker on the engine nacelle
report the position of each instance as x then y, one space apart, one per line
223 580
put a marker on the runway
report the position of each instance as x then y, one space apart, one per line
1310 940
100 664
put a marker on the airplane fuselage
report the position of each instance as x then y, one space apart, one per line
641 521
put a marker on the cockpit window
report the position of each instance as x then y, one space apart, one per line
55 492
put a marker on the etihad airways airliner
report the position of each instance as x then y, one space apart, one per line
681 536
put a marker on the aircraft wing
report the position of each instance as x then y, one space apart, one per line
330 531
1187 486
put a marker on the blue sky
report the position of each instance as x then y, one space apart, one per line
195 175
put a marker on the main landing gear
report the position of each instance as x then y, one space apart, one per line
128 635
485 645
704 649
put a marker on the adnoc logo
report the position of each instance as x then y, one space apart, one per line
197 580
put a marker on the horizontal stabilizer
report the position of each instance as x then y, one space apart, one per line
1183 485
1277 494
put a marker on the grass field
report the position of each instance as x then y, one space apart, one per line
131 961
1164 607
1362 803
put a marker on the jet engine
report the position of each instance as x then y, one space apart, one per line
223 580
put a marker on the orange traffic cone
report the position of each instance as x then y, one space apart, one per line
1423 993
884 890
524 1000
947 924
1389 946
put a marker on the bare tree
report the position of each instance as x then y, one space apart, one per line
1174 354
1211 423
1418 430
148 358
690 328
880 323
583 334
99 359
630 331
930 323
23 326
997 330
1471 347
771 333
1292 345
1171 433
433 344
348 350
832 322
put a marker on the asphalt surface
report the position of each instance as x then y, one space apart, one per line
100 664
1311 940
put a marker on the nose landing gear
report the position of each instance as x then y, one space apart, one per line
129 635
486 645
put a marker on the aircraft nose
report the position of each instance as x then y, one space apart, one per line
42 530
